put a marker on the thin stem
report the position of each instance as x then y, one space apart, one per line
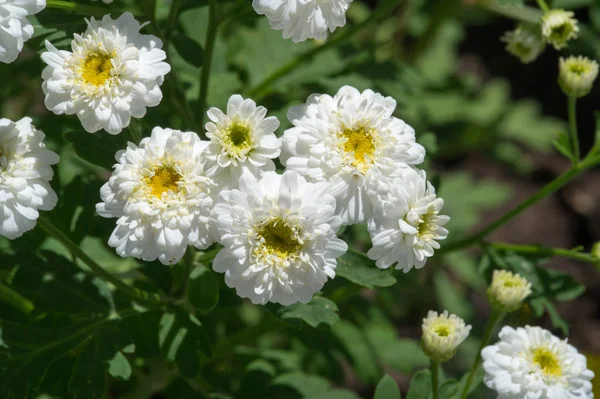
539 250
262 89
171 23
180 286
78 8
548 189
543 6
572 109
435 378
16 300
128 290
209 47
524 14
494 319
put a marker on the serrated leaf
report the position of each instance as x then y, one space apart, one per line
387 388
318 313
361 270
203 289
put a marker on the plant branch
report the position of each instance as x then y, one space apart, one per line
261 89
435 378
80 8
524 14
572 110
209 49
543 6
132 292
539 250
16 300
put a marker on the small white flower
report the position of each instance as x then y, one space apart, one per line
525 42
442 334
407 224
25 174
242 140
15 29
303 19
279 238
531 363
162 197
353 142
508 291
112 74
558 27
577 75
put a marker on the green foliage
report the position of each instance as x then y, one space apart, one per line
359 269
387 389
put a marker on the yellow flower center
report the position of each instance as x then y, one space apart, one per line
547 361
359 141
578 69
165 178
96 68
279 238
561 32
426 227
442 330
239 135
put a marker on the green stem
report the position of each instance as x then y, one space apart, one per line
525 14
572 109
180 286
494 319
16 300
128 290
539 250
209 47
78 8
543 6
135 132
171 23
548 189
262 89
435 378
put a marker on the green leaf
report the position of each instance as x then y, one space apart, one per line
203 289
318 313
359 269
119 367
361 352
99 149
189 49
182 340
429 141
387 389
307 387
420 385
452 295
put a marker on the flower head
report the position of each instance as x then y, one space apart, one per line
442 334
577 75
243 140
279 238
558 27
407 224
111 75
508 291
15 27
162 197
304 19
532 363
25 174
525 42
352 141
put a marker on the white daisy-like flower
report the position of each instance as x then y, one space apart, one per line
112 74
531 363
442 334
243 140
508 291
25 174
407 224
577 75
558 27
303 19
162 197
15 29
525 42
279 238
352 141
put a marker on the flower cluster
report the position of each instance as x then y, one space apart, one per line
15 29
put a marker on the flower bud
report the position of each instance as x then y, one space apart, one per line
576 75
525 42
442 334
558 27
507 291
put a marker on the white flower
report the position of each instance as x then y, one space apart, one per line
25 174
508 291
352 141
577 75
558 27
531 363
15 29
442 334
112 74
525 42
407 224
242 140
303 19
162 197
279 238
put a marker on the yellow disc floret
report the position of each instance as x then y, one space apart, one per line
547 361
96 68
165 178
360 142
279 238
